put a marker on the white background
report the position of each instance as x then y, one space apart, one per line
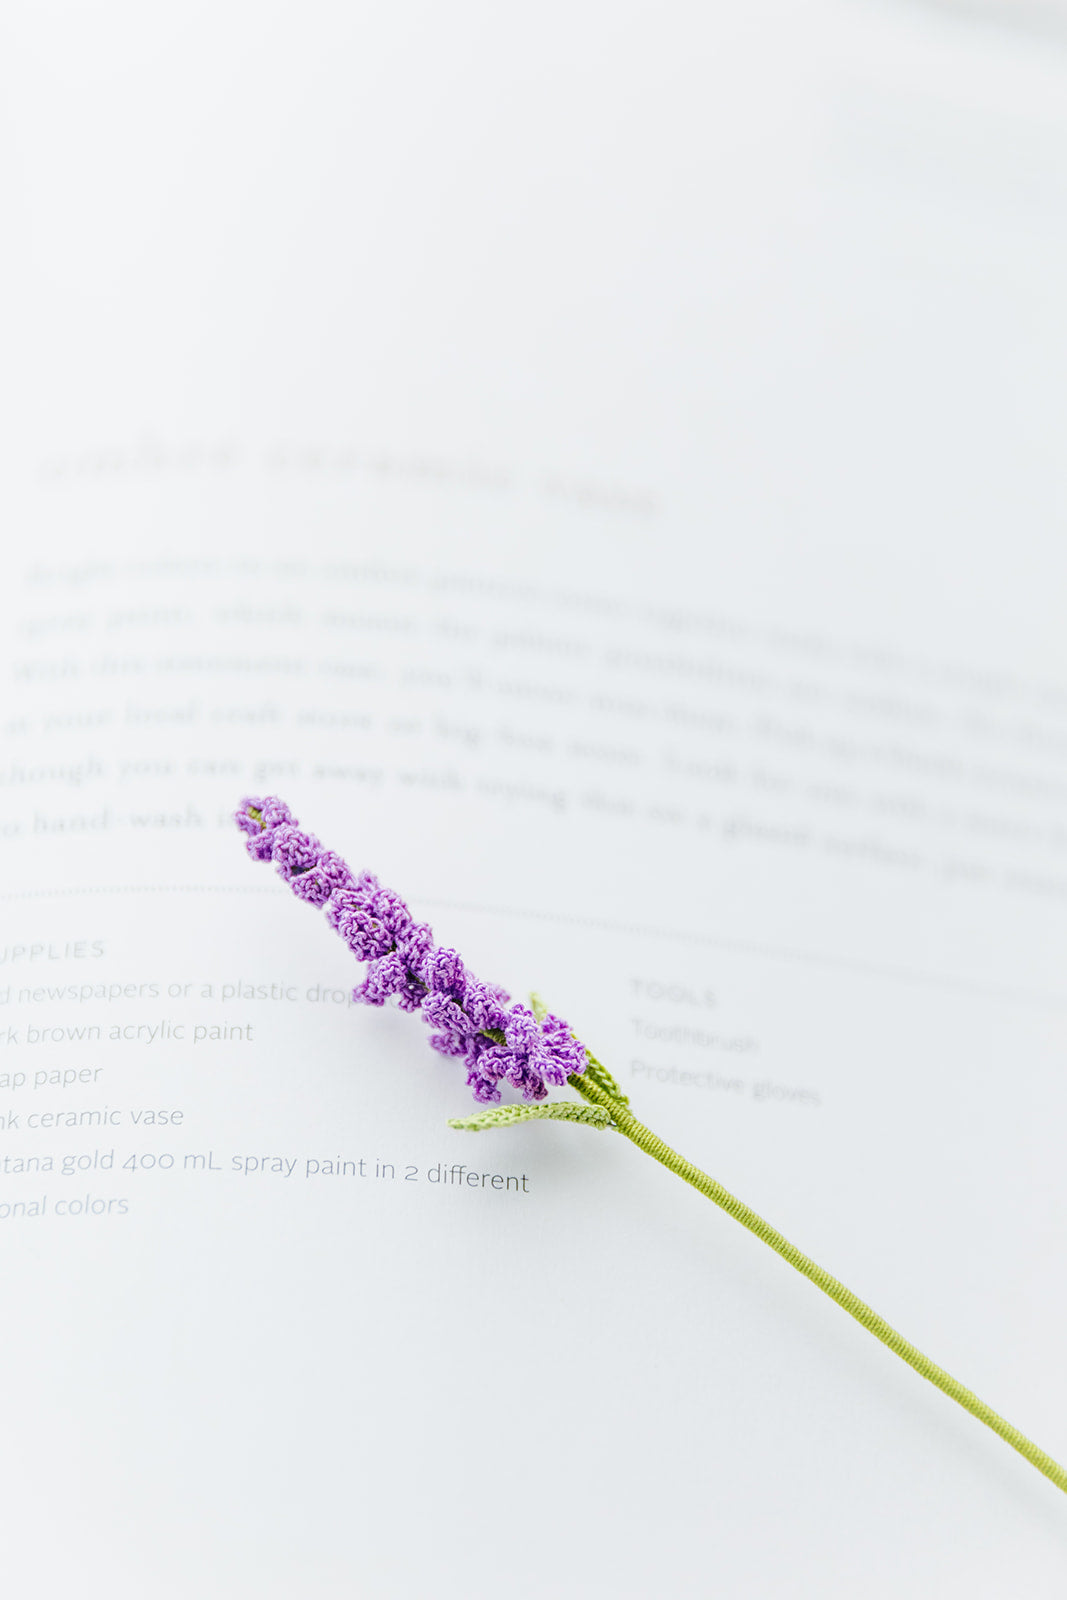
474 372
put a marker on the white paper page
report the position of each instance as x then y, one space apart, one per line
604 472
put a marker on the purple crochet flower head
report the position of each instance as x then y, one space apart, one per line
499 1043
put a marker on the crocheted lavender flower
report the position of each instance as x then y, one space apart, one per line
504 1043
498 1041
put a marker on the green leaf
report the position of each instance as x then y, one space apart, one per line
552 1110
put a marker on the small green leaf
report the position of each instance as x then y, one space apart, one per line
598 1073
553 1110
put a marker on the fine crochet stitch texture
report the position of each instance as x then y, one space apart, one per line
499 1042
530 1049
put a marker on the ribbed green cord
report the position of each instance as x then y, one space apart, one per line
626 1123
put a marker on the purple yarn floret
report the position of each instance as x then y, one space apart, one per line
499 1043
293 851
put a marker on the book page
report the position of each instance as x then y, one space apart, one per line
660 589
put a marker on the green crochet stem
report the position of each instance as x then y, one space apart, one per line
596 1086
